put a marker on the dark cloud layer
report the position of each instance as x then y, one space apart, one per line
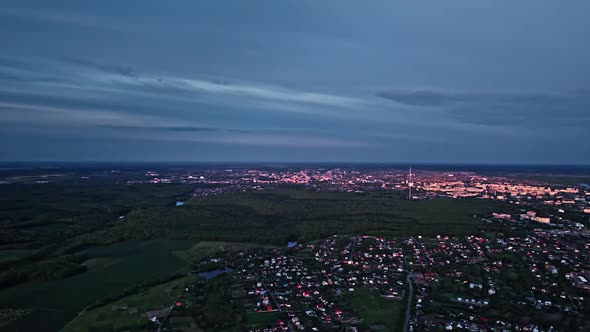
452 81
109 68
501 108
186 129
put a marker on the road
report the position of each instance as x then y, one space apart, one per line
170 310
410 297
70 322
291 327
352 249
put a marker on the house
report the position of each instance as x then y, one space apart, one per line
156 315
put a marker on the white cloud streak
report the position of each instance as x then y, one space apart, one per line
253 91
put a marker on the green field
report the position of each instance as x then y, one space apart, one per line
378 313
263 319
14 255
52 232
114 317
208 248
118 267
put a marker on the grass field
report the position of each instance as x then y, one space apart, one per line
378 313
208 248
114 316
263 319
14 255
119 266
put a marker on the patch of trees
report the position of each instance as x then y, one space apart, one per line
50 269
133 290
214 310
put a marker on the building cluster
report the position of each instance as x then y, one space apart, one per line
284 283
274 281
512 279
424 184
320 179
309 282
363 261
495 282
560 198
498 188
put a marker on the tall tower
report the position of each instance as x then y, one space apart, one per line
410 184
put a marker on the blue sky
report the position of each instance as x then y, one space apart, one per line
354 81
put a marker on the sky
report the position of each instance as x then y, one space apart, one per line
295 81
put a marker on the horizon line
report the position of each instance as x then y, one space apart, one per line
266 163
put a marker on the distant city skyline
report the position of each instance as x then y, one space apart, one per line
295 81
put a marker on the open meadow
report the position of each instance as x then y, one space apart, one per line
111 270
379 314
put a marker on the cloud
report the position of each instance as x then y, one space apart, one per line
445 97
544 109
127 76
279 140
419 97
82 76
61 17
102 123
44 115
47 115
109 68
179 128
251 91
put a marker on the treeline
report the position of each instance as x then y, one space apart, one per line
214 309
56 221
39 215
221 221
50 269
133 290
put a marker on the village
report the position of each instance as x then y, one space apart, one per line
513 272
426 184
526 269
309 283
506 281
500 282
